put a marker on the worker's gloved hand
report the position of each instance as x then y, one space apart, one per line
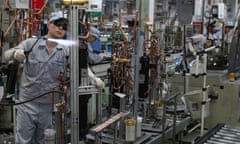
99 83
19 55
9 54
95 80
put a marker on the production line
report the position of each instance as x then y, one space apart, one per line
221 133
134 72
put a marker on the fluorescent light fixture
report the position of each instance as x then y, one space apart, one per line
78 2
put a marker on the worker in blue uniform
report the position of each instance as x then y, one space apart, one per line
95 52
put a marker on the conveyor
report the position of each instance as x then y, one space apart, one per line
150 135
221 134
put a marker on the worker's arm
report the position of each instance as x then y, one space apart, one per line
16 53
9 54
95 80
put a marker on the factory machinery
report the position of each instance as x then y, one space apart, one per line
163 81
221 134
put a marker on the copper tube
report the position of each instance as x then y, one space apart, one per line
11 24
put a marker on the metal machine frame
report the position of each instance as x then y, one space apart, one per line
78 88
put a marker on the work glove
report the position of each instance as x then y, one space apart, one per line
19 55
9 54
99 83
95 80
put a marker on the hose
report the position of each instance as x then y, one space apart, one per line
36 97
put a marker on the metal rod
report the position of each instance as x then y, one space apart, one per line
204 96
74 58
174 120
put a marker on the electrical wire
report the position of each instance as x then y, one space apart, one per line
36 97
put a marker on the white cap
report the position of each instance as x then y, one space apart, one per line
94 32
56 16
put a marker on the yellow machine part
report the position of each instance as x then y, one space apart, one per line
76 2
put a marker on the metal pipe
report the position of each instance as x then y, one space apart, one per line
74 58
204 96
192 129
166 101
11 24
109 121
136 62
174 121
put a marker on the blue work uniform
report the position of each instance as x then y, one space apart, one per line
140 45
39 76
96 58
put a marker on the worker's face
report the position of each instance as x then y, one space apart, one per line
57 29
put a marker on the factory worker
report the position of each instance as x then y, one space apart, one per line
214 34
228 36
42 65
138 53
95 53
130 23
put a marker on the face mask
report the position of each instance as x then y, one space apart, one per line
97 45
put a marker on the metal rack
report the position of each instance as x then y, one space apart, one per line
79 76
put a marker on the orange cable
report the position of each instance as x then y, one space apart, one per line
11 24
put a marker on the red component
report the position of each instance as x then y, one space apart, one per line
60 77
198 27
37 4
